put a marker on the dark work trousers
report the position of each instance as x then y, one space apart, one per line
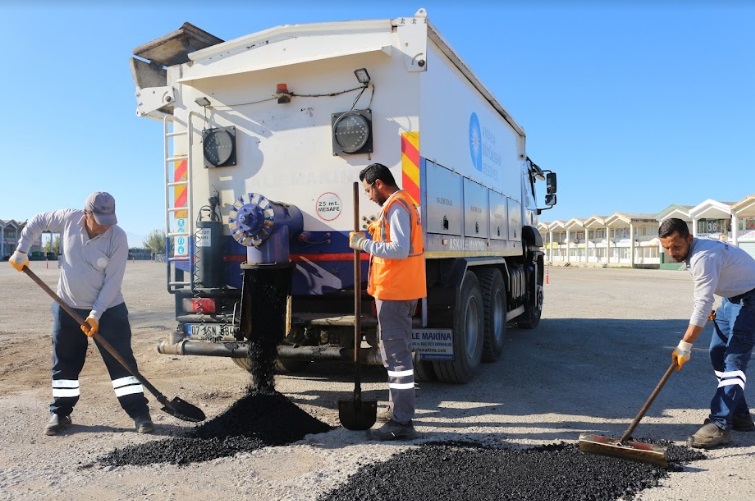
69 349
730 351
395 324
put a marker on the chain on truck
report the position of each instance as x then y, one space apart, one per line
264 136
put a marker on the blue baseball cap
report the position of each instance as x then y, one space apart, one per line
102 206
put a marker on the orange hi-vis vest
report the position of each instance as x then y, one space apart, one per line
398 279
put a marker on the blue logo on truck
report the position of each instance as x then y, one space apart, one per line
475 141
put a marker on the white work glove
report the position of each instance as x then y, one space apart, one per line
681 354
18 260
357 240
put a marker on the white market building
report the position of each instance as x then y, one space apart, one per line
631 240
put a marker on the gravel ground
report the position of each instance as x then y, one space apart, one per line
602 346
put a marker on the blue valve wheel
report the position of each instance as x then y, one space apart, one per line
251 222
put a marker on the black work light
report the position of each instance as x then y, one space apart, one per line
352 132
219 147
362 76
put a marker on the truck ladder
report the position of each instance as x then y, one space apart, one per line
178 235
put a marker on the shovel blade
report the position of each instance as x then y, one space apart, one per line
357 414
183 410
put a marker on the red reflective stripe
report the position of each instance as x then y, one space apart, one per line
180 192
336 256
410 163
408 149
363 256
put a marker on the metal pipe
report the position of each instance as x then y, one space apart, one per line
368 356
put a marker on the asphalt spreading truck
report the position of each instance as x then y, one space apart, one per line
264 136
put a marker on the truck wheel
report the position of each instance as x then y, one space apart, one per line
281 366
533 308
423 370
494 305
468 330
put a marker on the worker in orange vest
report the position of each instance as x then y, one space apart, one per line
397 281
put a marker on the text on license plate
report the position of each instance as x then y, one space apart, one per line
209 331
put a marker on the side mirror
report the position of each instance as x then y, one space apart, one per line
550 186
550 199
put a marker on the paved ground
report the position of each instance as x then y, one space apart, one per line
604 341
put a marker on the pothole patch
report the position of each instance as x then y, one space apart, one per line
472 471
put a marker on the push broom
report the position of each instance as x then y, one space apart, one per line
624 447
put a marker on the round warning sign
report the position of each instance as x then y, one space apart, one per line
328 206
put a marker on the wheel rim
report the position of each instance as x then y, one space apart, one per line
472 326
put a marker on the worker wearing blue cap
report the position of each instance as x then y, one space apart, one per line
95 252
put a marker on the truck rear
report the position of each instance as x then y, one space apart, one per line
264 137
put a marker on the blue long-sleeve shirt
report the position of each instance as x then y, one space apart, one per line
91 269
717 268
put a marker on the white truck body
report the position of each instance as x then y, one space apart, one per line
251 122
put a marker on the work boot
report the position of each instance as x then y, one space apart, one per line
144 424
393 430
742 422
56 424
384 414
709 436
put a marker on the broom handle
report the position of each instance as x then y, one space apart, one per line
645 407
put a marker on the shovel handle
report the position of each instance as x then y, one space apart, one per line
97 337
357 301
650 399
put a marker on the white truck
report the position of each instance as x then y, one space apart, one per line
264 137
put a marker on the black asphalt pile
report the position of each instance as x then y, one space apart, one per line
477 472
260 419
263 418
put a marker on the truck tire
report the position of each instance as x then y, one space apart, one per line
423 370
468 327
494 306
286 366
533 307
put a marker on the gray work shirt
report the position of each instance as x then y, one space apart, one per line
399 222
717 268
91 269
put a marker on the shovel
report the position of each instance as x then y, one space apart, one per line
357 414
176 407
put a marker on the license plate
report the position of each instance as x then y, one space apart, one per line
209 331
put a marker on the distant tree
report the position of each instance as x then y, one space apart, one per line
155 242
52 244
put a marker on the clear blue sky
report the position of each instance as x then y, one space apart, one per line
636 105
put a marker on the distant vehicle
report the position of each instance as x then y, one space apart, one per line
264 137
